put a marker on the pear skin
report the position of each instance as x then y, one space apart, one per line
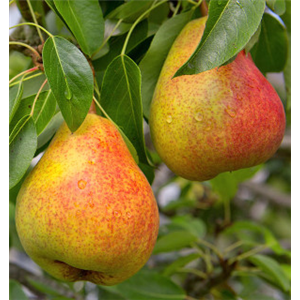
86 211
224 119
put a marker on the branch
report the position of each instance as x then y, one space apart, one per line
25 277
200 289
24 10
268 192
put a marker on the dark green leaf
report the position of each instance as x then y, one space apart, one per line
175 240
271 51
116 43
21 152
229 27
44 110
43 115
154 59
15 95
121 99
85 20
70 78
273 269
44 288
129 11
147 285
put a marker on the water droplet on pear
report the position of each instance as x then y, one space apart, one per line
81 184
198 117
169 119
230 111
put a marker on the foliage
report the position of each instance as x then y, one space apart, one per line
221 239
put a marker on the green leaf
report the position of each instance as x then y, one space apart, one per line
70 78
15 291
271 51
146 285
229 27
175 240
154 59
226 184
256 296
139 34
21 152
109 294
244 227
129 11
15 95
278 6
273 269
121 99
193 225
179 263
44 110
85 20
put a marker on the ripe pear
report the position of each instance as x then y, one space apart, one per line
224 119
86 211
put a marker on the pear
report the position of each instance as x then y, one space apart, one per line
86 211
223 119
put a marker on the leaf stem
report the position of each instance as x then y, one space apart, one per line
25 79
193 271
176 8
109 36
25 45
35 21
101 108
247 254
32 24
206 257
136 22
24 72
212 247
11 2
233 246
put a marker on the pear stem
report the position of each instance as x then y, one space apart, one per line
92 109
204 8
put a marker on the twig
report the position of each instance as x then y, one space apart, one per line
25 46
200 288
35 21
25 278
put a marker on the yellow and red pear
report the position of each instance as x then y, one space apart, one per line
86 211
223 119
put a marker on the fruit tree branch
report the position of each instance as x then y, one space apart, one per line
25 278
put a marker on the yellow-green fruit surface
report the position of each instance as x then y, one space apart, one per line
224 119
86 211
